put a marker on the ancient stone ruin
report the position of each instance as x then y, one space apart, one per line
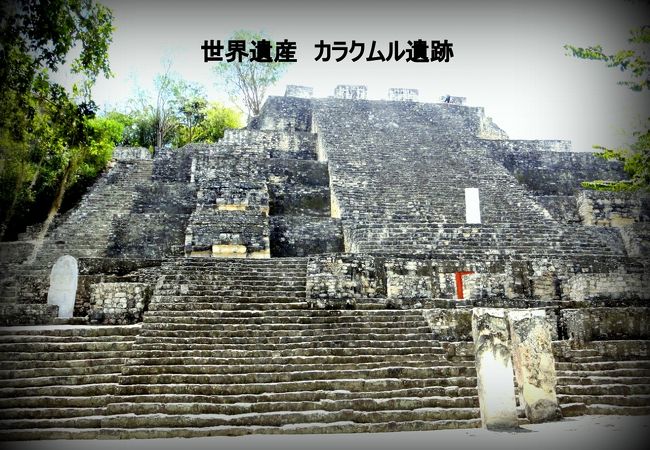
340 265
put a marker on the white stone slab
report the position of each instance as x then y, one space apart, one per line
472 206
63 285
496 387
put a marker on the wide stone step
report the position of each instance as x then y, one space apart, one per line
223 376
601 365
359 404
61 371
290 316
150 350
215 301
193 306
61 364
272 418
187 432
295 396
214 328
604 389
158 359
601 409
62 355
236 277
581 409
71 346
135 367
357 384
54 412
50 401
326 340
71 330
211 294
620 372
60 380
61 391
600 380
153 343
619 400
357 332
49 339
219 284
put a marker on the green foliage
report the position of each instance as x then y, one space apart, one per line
178 111
217 119
635 158
248 80
634 62
47 137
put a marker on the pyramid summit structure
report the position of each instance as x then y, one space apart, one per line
318 272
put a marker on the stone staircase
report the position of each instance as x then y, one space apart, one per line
229 348
604 377
86 231
57 377
110 198
400 178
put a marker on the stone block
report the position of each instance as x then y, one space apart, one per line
129 153
228 251
351 92
299 91
534 364
403 95
496 389
453 99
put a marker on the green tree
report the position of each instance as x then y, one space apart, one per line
217 119
191 104
634 62
46 136
170 113
249 80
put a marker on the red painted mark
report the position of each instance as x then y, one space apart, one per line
459 284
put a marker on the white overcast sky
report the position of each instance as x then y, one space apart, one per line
508 55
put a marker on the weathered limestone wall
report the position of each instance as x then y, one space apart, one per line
595 324
12 314
118 303
293 113
411 282
563 208
339 281
613 209
636 238
609 286
155 226
449 324
173 164
303 235
15 252
550 167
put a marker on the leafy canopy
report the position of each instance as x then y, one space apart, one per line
249 80
47 137
636 157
